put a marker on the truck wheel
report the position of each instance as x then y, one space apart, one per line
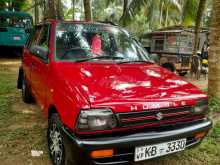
182 73
169 66
26 92
55 141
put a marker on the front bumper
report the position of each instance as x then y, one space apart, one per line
79 149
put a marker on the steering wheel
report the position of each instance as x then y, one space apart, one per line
74 54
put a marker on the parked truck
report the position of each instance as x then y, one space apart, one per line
174 46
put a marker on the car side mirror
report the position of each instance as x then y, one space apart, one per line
40 52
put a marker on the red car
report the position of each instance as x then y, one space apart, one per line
105 100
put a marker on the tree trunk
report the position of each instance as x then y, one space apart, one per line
214 52
122 19
44 11
200 11
51 9
73 7
161 14
87 10
36 12
167 15
60 14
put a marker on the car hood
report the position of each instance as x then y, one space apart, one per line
109 84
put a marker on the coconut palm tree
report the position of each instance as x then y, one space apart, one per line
73 9
51 9
189 11
59 9
214 52
200 11
36 12
158 12
87 10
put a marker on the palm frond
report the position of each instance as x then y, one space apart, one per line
189 12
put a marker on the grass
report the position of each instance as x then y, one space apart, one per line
208 151
214 105
7 87
21 132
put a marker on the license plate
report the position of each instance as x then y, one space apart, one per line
156 150
17 38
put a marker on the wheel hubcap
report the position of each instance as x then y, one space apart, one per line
56 144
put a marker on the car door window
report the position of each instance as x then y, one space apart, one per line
34 36
41 43
44 37
30 38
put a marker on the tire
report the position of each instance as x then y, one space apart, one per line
169 66
182 73
26 92
55 140
19 80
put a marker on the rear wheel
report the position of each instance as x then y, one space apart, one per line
26 92
55 141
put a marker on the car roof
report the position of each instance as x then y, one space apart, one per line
79 22
14 14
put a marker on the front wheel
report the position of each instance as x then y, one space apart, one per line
55 141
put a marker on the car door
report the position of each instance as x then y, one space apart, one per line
40 67
27 56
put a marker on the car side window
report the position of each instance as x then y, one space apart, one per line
34 36
44 37
30 38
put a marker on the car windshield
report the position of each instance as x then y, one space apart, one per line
89 42
15 22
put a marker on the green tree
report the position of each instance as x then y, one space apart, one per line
16 5
189 12
3 4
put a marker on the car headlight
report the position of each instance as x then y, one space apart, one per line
96 119
201 107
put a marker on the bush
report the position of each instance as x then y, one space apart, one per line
214 105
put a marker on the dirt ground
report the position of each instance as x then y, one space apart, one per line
23 127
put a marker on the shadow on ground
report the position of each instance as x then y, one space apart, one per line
10 52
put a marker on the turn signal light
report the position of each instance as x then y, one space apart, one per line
200 135
102 153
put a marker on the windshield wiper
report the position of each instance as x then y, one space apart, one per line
99 57
134 61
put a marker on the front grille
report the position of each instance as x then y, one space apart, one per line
155 117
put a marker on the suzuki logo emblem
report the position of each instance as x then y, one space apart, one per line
134 108
159 116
